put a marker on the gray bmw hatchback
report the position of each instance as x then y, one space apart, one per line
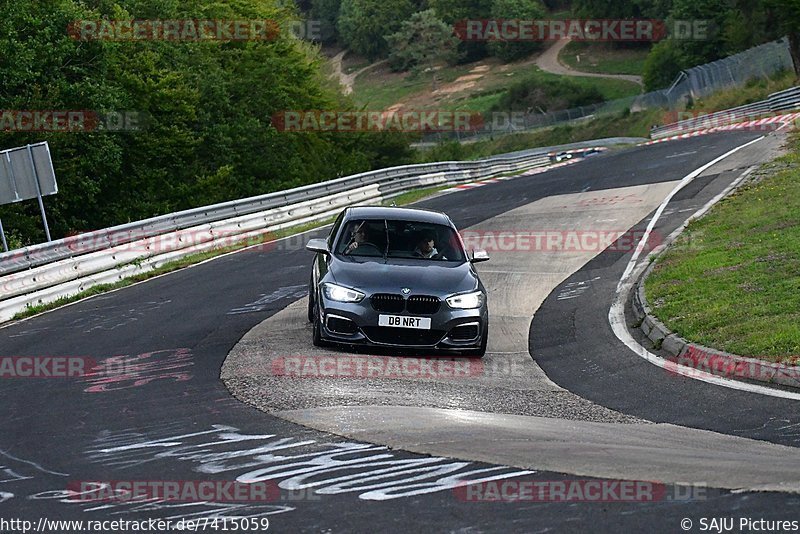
397 277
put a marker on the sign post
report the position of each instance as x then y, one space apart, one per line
3 235
27 173
39 193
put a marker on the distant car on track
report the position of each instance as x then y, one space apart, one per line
397 277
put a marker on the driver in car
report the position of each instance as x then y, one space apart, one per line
361 235
426 248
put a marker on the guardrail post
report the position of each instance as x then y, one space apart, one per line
3 235
39 193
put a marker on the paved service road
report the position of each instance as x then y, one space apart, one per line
155 409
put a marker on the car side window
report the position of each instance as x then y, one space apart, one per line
335 230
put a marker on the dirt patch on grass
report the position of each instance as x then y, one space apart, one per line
720 270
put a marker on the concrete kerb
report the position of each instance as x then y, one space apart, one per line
693 354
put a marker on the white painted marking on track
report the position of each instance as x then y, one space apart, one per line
686 180
681 154
616 315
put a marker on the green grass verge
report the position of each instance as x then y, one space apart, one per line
753 91
603 58
406 198
378 89
620 125
732 280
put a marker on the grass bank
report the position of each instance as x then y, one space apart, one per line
603 58
732 280
620 125
470 87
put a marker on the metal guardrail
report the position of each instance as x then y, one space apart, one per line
36 255
785 100
45 272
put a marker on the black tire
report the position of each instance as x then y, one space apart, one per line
316 338
310 303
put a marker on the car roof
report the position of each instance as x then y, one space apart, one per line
396 213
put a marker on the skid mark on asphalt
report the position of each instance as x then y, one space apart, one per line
14 469
372 473
265 299
575 289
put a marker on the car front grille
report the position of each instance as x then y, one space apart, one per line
341 325
403 336
464 332
423 305
417 304
386 302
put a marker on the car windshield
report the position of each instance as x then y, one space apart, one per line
400 239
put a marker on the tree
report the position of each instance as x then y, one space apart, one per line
327 13
662 65
702 49
516 9
459 11
789 19
209 136
422 41
453 11
364 24
612 9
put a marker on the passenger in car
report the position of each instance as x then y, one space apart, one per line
426 247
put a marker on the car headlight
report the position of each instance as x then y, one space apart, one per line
466 301
341 294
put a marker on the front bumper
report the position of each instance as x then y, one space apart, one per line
357 324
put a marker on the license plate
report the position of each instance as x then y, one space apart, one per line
404 321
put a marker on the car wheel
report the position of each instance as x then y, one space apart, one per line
317 334
310 304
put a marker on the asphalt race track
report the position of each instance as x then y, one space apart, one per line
156 409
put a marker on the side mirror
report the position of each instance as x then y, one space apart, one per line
318 245
479 255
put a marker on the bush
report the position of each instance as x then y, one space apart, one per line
515 9
535 95
364 24
421 42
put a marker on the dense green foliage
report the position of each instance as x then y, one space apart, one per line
364 24
542 96
327 13
209 136
421 42
515 9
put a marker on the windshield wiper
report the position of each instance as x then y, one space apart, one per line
386 229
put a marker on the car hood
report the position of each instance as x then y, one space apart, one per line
389 276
